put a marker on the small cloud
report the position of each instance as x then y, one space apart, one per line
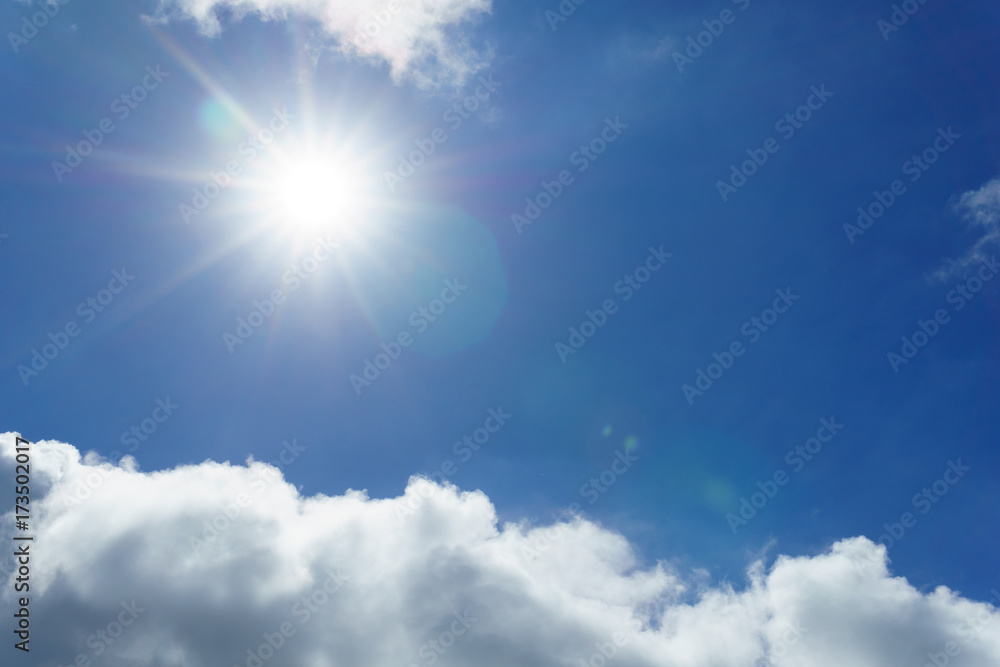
980 209
982 206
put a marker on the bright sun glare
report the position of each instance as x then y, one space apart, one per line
318 194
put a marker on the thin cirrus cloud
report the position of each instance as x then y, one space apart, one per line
425 578
421 40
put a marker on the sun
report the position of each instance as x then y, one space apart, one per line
316 193
320 182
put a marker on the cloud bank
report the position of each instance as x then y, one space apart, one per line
421 40
224 565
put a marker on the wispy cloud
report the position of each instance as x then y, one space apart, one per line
642 48
980 210
421 40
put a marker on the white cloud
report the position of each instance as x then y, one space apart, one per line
982 206
980 209
420 39
411 584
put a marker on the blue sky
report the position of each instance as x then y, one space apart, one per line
654 187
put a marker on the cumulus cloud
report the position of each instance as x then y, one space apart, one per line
980 209
419 39
223 565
